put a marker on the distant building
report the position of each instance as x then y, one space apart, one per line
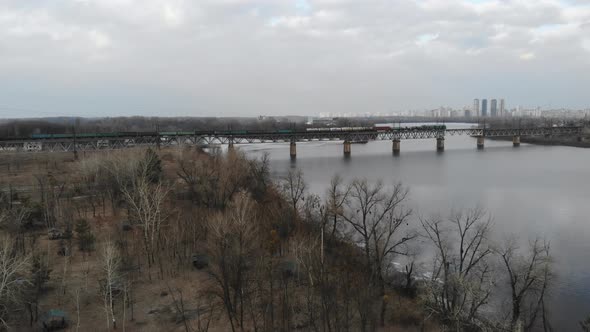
468 112
494 108
475 107
502 108
328 122
484 107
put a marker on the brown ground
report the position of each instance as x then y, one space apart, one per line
154 308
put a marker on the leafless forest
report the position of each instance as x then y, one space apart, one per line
183 240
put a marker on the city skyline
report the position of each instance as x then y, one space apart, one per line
250 57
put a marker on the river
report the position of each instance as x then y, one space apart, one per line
530 190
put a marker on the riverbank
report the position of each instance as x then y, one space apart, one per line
562 141
528 191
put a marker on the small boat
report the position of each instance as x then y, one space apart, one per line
360 142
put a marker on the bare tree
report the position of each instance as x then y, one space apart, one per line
191 170
14 220
294 188
259 170
146 202
111 263
309 263
337 198
13 269
179 305
528 276
213 180
377 216
461 282
76 299
231 244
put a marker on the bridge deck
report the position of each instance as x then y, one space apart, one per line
212 137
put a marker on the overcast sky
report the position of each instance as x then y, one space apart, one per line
251 57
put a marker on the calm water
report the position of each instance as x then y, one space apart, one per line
530 190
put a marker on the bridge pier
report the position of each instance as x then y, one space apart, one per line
480 142
440 144
395 147
516 140
347 148
230 145
293 150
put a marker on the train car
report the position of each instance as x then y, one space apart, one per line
284 131
51 136
41 136
382 127
432 127
137 133
62 136
106 135
86 135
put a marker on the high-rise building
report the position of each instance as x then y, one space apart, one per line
475 110
502 108
494 108
484 107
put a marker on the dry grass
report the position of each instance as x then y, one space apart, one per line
154 308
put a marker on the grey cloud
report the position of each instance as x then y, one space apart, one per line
249 57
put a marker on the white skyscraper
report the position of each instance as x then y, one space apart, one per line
475 107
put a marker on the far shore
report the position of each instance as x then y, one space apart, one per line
563 141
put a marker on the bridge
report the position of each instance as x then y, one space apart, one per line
106 141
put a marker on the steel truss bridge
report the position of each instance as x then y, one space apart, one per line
252 137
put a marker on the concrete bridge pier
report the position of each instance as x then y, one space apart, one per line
516 140
230 145
395 146
480 142
347 148
293 150
440 144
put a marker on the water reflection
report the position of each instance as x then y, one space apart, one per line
530 190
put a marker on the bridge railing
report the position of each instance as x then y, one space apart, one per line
211 137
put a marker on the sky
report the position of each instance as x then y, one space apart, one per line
288 57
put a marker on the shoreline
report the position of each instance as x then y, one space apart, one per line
555 141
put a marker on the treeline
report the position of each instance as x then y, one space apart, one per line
220 244
531 122
24 128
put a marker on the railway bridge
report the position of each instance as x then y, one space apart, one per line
105 141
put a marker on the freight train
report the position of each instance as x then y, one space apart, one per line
375 128
391 127
380 128
160 133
